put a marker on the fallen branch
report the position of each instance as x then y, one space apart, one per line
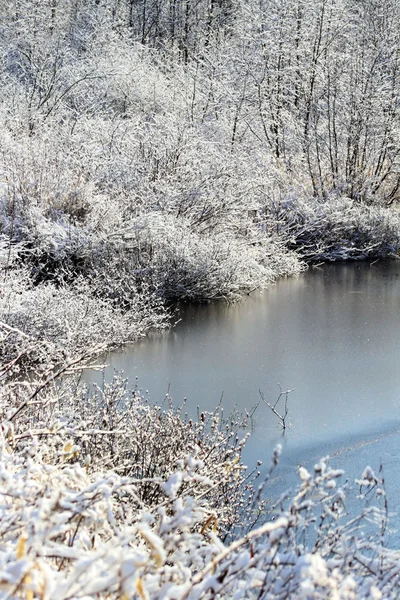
281 417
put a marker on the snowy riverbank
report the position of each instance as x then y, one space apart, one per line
156 152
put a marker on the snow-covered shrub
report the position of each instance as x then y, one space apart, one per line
337 229
66 321
118 428
187 265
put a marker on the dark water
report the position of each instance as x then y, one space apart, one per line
332 333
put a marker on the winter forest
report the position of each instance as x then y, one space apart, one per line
158 151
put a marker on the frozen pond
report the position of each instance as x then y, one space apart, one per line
332 333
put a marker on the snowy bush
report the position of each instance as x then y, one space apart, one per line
338 229
187 265
68 320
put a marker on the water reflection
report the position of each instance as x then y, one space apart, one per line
331 333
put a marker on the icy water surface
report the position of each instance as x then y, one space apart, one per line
332 334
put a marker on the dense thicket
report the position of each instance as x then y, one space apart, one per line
156 150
